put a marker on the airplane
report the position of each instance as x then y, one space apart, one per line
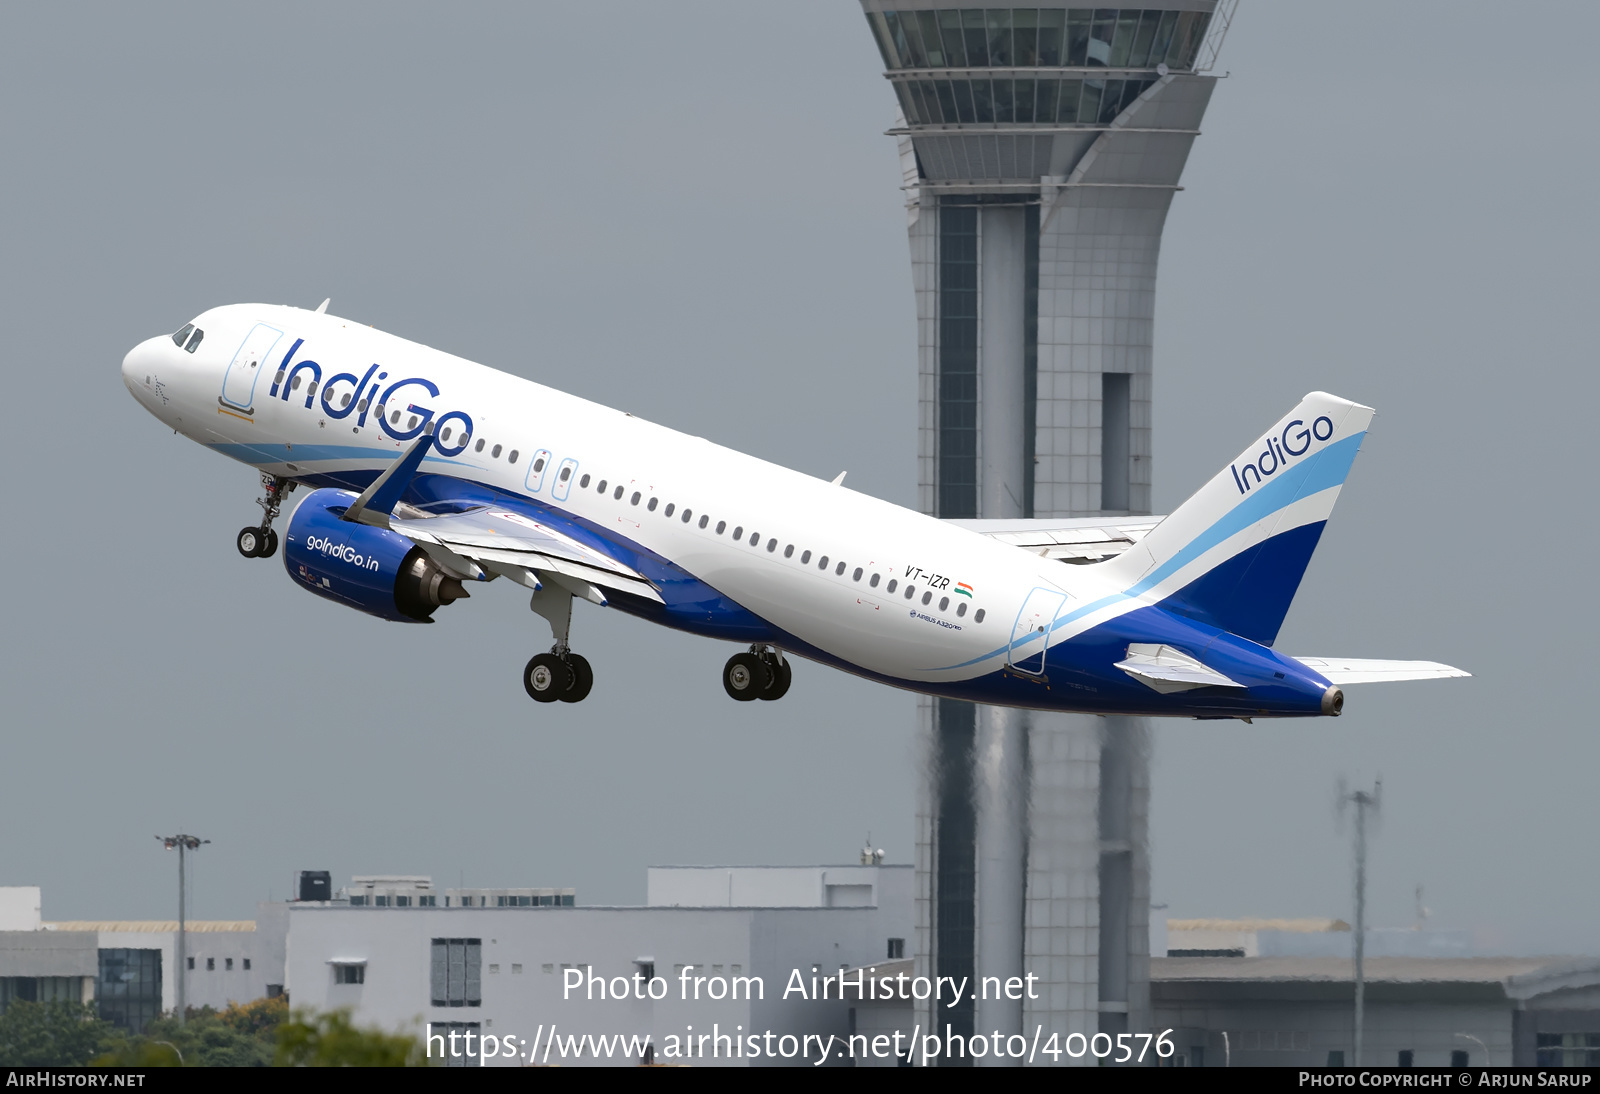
429 475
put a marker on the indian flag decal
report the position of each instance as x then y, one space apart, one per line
964 589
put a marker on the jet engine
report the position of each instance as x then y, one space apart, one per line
370 569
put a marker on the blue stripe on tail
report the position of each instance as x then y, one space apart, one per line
1249 594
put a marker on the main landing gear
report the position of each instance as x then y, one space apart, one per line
560 675
262 542
762 673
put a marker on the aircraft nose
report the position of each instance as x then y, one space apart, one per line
138 364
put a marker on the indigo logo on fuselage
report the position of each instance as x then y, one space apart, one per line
342 551
1281 450
361 399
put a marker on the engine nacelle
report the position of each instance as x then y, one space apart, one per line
370 569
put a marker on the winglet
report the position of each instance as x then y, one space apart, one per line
322 308
375 502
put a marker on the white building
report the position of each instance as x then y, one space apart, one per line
126 966
721 947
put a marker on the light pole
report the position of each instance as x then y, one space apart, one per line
1363 801
184 843
1488 1061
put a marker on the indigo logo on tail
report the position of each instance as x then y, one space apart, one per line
1281 451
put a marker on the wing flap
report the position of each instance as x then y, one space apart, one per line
1353 670
493 535
1166 669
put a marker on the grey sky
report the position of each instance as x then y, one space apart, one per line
690 211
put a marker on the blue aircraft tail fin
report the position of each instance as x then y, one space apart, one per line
1234 553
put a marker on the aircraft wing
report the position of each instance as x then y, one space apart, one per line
522 548
1075 540
1351 670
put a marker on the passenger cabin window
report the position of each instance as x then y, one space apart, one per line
961 609
194 340
479 446
635 499
805 557
874 581
722 526
566 473
839 572
892 583
788 552
538 464
704 520
583 483
652 504
668 511
822 563
183 335
512 458
977 616
687 515
494 453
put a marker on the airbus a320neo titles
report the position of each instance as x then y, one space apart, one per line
431 475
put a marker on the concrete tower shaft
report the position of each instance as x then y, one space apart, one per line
1041 148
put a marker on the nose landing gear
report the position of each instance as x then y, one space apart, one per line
262 542
762 673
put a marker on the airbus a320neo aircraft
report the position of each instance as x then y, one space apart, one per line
432 474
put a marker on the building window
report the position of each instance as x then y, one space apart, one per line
897 949
450 1041
427 901
402 902
349 974
1405 1058
457 969
1567 1049
357 901
381 901
227 964
958 362
1336 1057
211 964
191 963
247 964
40 989
128 989
1458 1057
1115 440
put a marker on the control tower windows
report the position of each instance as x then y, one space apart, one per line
1078 37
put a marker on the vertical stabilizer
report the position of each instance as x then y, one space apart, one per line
1234 553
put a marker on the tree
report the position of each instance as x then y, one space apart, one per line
240 1036
329 1040
52 1034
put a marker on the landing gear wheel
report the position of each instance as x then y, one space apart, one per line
782 675
582 678
269 545
746 677
249 541
547 678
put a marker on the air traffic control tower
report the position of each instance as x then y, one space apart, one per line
1041 148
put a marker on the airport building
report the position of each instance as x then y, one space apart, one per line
1040 149
125 967
727 947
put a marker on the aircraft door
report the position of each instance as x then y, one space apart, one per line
536 470
1030 635
564 477
239 383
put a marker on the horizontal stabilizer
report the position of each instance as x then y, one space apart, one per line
1071 539
1352 670
1168 670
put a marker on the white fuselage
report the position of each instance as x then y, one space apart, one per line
788 522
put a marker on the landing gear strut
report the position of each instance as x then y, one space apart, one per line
762 673
559 675
262 542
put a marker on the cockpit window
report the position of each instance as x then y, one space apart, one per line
183 335
194 340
